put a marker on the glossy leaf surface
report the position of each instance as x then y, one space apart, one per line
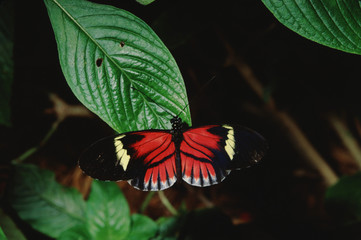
334 23
117 66
42 202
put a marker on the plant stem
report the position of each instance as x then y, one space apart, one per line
146 202
305 148
166 203
347 138
33 150
298 138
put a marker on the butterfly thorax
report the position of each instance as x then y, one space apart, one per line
178 127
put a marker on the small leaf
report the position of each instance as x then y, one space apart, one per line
76 233
108 214
142 228
169 227
145 2
10 229
117 66
334 23
42 202
343 199
6 59
2 235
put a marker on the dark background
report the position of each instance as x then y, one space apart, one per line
281 198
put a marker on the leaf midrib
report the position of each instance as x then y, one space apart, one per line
91 38
101 48
60 208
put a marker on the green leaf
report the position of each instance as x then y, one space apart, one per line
334 23
142 228
169 227
117 66
2 235
10 229
107 212
6 59
42 202
145 2
343 199
76 233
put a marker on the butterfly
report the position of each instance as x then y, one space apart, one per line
153 160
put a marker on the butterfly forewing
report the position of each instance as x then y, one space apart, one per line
145 158
209 153
152 159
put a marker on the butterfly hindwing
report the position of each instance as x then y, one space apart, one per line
209 153
154 159
145 158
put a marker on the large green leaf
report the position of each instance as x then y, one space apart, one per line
6 59
343 199
45 204
334 23
107 212
143 228
117 66
79 232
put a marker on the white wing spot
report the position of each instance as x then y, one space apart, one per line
230 142
122 155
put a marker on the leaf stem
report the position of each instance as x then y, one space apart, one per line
33 150
166 203
299 139
347 138
305 148
146 202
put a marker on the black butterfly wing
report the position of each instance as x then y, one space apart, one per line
145 158
209 153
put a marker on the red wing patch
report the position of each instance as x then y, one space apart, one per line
145 158
209 153
156 153
202 156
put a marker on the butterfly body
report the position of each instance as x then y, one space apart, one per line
155 159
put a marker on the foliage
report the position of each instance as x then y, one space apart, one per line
61 212
145 2
343 200
118 67
48 206
333 23
2 235
9 227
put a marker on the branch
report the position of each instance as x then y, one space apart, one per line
166 203
62 110
347 138
297 137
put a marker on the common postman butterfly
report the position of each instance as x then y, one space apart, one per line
152 160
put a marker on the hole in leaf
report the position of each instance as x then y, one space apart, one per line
122 44
99 62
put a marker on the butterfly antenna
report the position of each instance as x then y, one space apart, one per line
200 90
151 100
